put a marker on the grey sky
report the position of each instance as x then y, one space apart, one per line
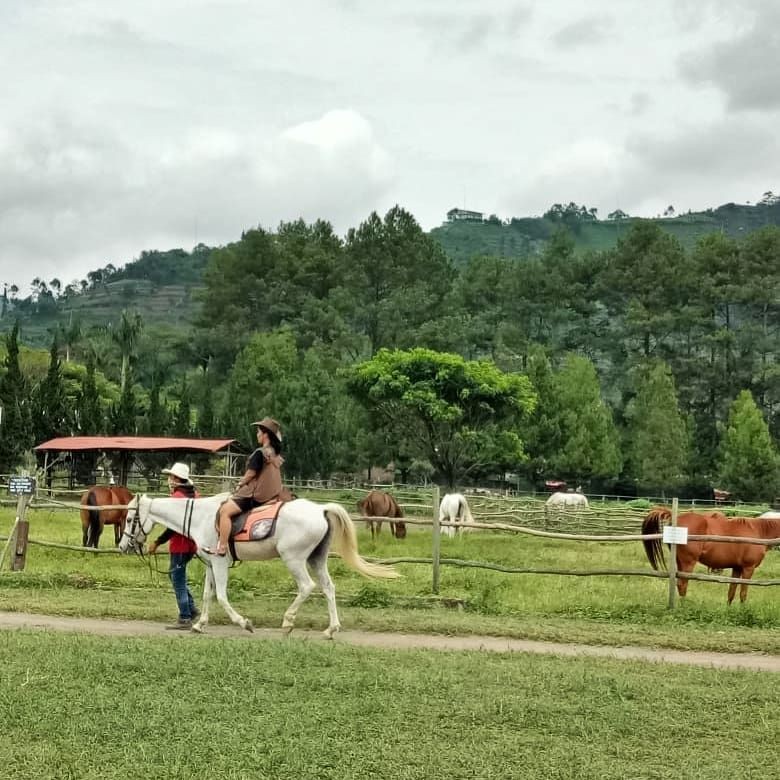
148 125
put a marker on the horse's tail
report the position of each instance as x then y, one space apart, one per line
345 541
654 549
92 524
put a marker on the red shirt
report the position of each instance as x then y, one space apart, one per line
178 542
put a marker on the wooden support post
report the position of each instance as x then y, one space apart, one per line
673 559
436 539
17 539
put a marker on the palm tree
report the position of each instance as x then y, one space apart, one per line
126 337
71 335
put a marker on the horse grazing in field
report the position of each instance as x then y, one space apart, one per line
559 504
743 558
380 504
93 520
303 535
454 508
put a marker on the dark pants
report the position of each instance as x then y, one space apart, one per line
178 575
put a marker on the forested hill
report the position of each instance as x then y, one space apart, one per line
462 240
162 285
653 363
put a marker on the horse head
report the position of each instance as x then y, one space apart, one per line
137 526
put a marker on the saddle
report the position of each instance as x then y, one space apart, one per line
256 524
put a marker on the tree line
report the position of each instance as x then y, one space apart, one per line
643 367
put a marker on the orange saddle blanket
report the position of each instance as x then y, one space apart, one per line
257 524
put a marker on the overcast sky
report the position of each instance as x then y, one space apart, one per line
154 124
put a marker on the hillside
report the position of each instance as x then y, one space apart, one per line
462 240
162 286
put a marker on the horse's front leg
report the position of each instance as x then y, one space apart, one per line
219 568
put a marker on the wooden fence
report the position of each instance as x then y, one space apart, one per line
512 515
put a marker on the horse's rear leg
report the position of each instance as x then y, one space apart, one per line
747 574
320 566
208 592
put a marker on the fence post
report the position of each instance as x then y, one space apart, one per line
18 536
436 539
673 559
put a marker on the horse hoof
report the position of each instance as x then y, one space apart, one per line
287 630
197 628
248 626
331 631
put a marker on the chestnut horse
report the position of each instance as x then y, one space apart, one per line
742 558
380 504
93 520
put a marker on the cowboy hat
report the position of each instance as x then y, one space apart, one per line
180 470
270 426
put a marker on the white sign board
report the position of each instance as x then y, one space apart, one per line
20 485
675 534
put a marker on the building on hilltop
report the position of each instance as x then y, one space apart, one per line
462 215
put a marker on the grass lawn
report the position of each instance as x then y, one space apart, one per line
93 707
602 610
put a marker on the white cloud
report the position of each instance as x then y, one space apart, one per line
69 197
132 126
744 68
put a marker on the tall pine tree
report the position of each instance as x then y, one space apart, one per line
52 415
658 434
748 458
16 424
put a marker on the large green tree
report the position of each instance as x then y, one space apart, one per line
589 445
397 278
271 376
748 457
657 433
465 417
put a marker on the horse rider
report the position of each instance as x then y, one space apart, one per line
261 483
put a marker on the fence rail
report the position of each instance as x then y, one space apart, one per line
511 515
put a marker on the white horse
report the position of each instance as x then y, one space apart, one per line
303 535
560 503
454 508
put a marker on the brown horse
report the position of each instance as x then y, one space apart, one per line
742 558
380 504
93 520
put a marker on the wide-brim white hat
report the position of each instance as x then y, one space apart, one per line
180 470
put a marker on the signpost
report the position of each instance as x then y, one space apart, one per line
674 535
23 487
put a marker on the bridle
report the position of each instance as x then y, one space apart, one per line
135 528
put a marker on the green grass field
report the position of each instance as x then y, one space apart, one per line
89 707
601 610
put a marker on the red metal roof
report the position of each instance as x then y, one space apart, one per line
73 443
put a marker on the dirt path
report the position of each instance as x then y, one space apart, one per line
106 627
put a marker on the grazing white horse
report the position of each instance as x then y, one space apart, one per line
560 503
454 508
303 535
